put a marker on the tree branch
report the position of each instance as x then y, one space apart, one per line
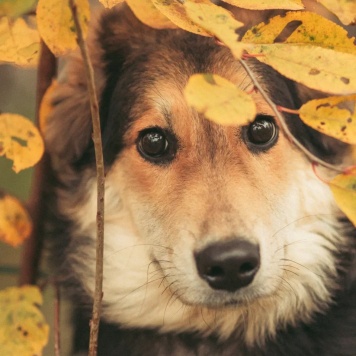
94 323
47 70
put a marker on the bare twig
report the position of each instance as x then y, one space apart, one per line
283 123
57 340
47 70
94 323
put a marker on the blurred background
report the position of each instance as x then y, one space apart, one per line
17 95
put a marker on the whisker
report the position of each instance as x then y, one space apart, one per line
299 264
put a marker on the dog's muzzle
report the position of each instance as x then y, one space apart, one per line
228 265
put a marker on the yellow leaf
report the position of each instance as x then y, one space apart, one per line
147 13
302 27
23 329
334 116
20 141
19 44
343 187
46 105
56 24
219 100
267 4
110 3
15 8
345 10
218 22
15 223
175 11
316 67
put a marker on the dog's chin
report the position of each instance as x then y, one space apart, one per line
219 299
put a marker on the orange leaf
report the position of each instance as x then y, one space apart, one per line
15 223
46 105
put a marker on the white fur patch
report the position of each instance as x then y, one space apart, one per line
296 242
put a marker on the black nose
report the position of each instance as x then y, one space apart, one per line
228 265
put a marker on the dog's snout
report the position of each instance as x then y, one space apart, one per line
228 265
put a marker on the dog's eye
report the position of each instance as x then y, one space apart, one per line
261 134
156 145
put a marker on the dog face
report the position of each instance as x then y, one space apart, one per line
207 228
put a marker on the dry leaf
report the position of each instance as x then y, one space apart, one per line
219 100
19 44
334 116
343 187
15 8
175 11
147 13
56 24
301 27
110 3
267 4
20 141
218 22
316 67
15 223
46 105
345 10
23 329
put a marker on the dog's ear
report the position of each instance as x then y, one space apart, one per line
69 128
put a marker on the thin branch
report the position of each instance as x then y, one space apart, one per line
283 123
57 340
94 323
47 70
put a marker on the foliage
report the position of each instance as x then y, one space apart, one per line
23 330
301 45
15 223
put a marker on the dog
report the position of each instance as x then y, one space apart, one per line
219 240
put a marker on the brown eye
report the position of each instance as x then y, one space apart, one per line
261 134
156 145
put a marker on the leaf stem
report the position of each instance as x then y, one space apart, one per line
283 123
100 173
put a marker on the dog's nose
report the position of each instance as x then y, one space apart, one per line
228 265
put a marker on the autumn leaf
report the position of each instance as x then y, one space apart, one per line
219 100
345 10
110 3
175 11
19 43
343 187
15 223
23 330
218 22
15 8
316 67
147 13
334 116
301 27
20 141
267 4
56 24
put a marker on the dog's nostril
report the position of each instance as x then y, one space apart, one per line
247 268
228 265
215 271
